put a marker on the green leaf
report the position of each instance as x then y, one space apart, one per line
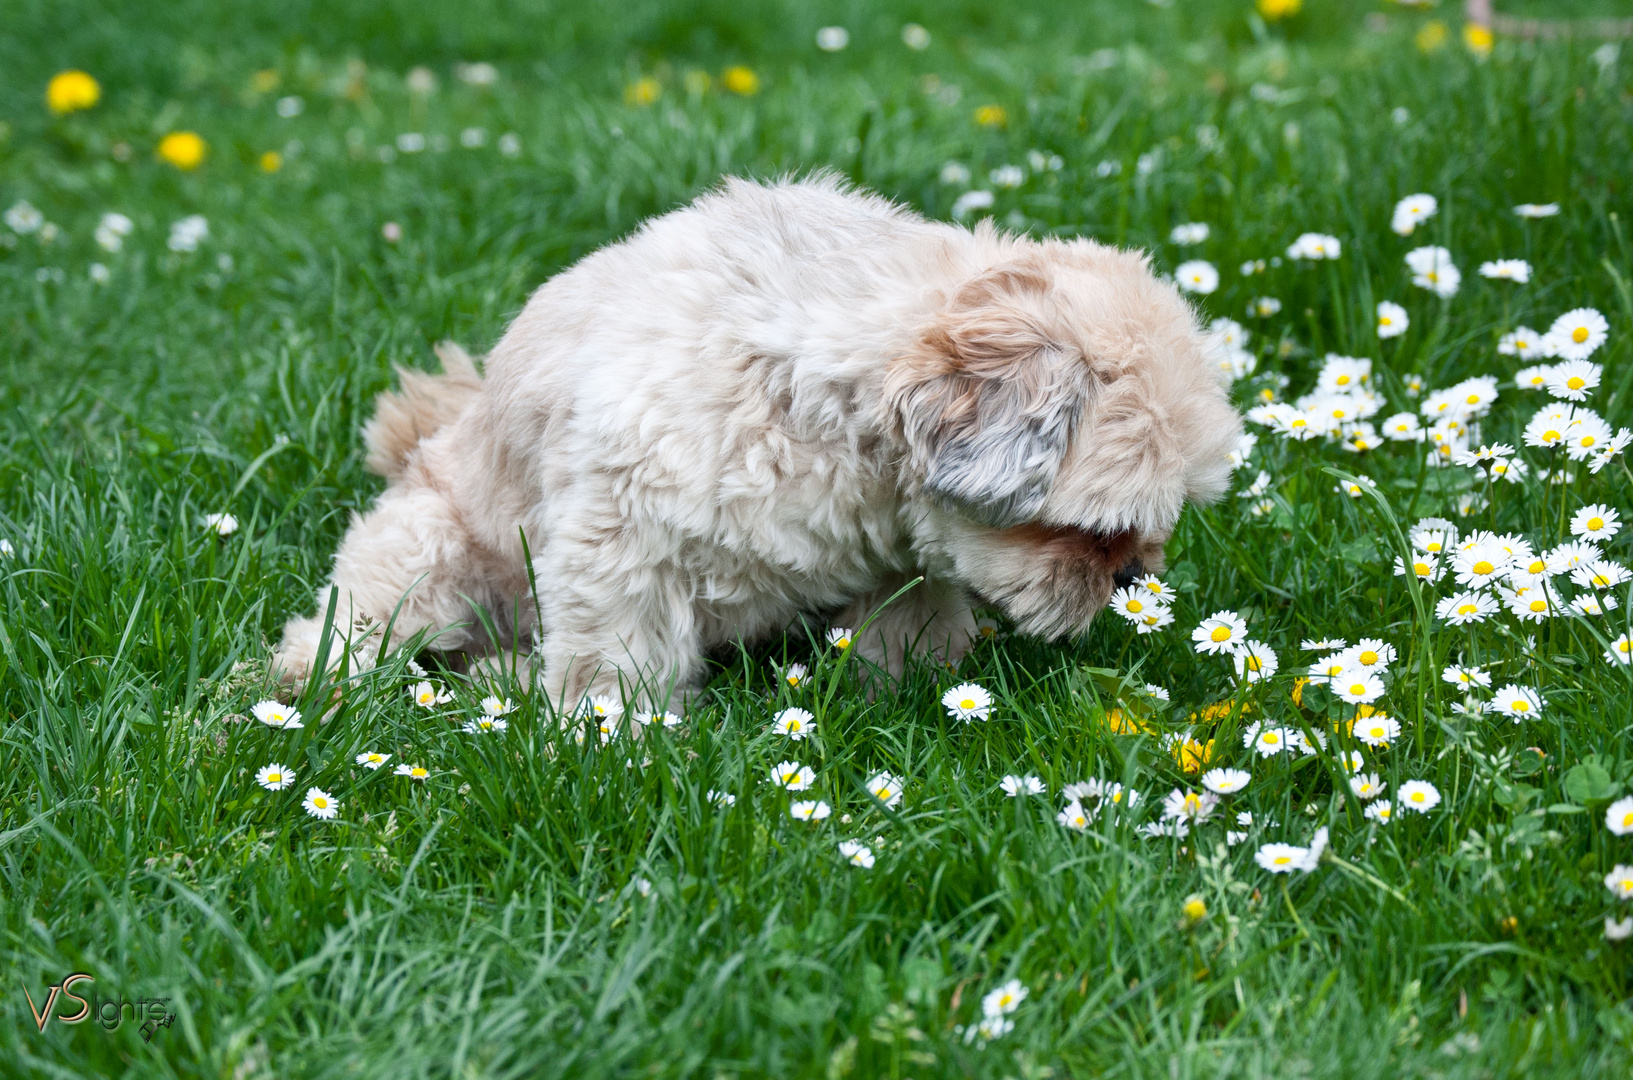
1589 782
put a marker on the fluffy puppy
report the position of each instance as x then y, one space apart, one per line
785 398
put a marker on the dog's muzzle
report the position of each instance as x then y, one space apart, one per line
1131 572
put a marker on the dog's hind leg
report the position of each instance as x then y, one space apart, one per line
933 619
409 561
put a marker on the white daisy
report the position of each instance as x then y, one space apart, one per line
885 788
1370 654
1153 620
814 810
1620 882
839 637
1419 795
1189 806
277 715
413 772
1075 817
1006 999
1357 686
1221 632
1621 650
1015 786
792 775
1432 268
1595 522
1537 210
221 524
1367 786
428 696
1466 607
1189 234
1618 930
856 853
1518 702
1322 644
1225 781
1379 729
1576 334
275 777
1134 603
1392 319
1467 677
1255 661
1196 276
487 725
966 702
1411 210
371 759
794 675
1380 811
1315 246
1619 816
320 804
495 706
1268 741
795 723
1515 270
1601 574
721 798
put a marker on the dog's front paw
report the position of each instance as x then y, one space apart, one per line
296 655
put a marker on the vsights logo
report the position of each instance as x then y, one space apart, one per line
151 1013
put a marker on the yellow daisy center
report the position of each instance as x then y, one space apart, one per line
1579 335
1253 663
1576 382
1417 796
1385 320
1369 657
1473 399
1421 569
1595 524
1376 733
1271 738
1357 689
1343 380
1627 819
1483 567
1521 706
1587 440
1539 605
1550 435
1283 860
1135 606
1433 547
1467 609
320 803
1624 646
1601 580
1222 633
967 703
1536 567
275 777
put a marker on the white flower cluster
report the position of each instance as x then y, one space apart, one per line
1339 407
1146 603
1227 341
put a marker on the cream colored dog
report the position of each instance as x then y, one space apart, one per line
785 398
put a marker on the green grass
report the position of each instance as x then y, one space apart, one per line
486 923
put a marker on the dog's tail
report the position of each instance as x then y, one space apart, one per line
424 404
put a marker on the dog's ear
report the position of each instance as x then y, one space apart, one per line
987 399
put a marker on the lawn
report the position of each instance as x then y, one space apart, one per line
376 177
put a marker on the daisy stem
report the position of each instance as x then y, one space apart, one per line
1302 929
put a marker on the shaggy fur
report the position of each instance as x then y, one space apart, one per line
780 399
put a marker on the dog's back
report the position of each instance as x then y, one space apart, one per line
423 405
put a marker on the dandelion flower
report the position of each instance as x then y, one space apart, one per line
413 772
1392 320
795 723
1379 729
1518 702
277 715
1197 276
1223 631
320 804
1419 795
813 810
1367 786
967 701
1516 270
1004 1000
885 788
1411 210
71 91
372 759
276 777
856 853
1576 334
183 149
1380 811
740 80
1595 522
1225 781
792 776
1619 816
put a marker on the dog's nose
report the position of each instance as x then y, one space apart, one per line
1131 570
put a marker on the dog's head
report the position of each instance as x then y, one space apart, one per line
1057 413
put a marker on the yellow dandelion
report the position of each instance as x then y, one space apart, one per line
183 149
740 80
1478 39
1432 36
1192 755
1272 10
70 91
271 161
643 91
991 116
264 81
